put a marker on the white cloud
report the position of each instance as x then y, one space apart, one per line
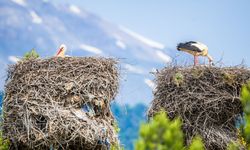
143 39
35 18
20 2
91 49
150 83
134 69
13 59
162 56
121 44
75 9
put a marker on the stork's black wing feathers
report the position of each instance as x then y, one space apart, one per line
188 46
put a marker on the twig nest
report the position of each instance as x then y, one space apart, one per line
206 98
59 103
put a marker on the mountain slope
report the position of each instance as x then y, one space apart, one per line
27 24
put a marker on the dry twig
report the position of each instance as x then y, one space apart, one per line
44 98
206 98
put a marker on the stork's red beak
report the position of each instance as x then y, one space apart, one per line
59 51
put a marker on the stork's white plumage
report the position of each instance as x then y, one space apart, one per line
196 49
61 51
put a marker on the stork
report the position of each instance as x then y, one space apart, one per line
61 51
196 49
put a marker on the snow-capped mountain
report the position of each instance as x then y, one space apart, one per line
39 24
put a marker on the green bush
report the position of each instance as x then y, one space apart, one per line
31 55
163 134
1 101
196 144
244 131
245 99
4 144
116 146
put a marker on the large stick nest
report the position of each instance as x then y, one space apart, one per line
206 99
61 103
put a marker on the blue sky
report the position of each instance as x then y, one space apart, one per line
223 25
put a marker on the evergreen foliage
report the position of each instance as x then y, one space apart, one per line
244 131
245 99
163 134
1 96
196 144
1 100
4 144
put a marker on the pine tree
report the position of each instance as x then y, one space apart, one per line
4 144
244 131
163 134
245 99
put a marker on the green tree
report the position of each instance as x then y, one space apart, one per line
244 132
196 144
4 144
1 96
163 134
245 99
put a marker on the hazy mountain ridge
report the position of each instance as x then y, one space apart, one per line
27 24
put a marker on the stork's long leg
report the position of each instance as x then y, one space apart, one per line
195 60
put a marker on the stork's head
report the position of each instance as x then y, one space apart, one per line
179 46
63 47
210 59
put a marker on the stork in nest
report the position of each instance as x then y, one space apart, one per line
61 51
196 49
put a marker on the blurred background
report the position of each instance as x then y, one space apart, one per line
141 34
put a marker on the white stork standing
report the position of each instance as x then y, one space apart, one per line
196 49
61 51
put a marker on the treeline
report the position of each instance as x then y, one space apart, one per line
1 96
129 119
1 100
